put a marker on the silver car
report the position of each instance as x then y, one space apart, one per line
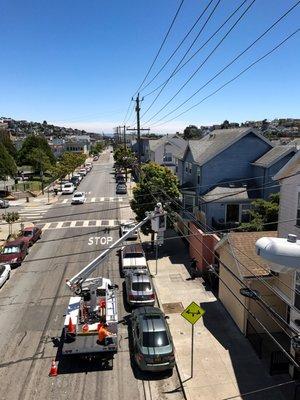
139 289
152 341
4 203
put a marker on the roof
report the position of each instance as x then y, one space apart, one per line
217 141
178 144
274 155
291 167
14 242
226 194
242 247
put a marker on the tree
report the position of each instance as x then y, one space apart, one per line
7 142
263 215
192 132
97 148
124 157
157 184
39 160
225 124
7 164
34 142
10 218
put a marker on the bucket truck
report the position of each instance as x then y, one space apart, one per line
91 321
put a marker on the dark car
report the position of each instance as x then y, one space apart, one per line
121 188
120 178
75 180
14 252
152 341
31 234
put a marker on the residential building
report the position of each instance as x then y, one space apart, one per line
219 176
167 151
78 144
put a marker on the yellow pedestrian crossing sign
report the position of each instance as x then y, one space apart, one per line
192 313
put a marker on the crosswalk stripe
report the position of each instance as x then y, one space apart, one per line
65 201
73 224
46 226
59 225
101 198
85 224
93 199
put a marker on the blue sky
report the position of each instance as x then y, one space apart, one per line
77 63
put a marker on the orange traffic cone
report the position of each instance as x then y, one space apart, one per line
53 369
85 328
71 326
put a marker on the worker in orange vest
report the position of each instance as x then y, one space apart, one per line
103 332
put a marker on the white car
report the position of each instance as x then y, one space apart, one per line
133 259
4 273
125 227
68 188
82 172
78 198
88 166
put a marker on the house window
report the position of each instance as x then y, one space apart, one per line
198 175
168 157
232 213
298 210
186 167
190 168
245 212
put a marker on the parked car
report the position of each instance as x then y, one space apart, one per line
82 172
31 234
125 228
133 258
4 203
78 176
4 273
121 188
75 180
153 348
139 289
89 166
68 188
96 158
14 252
120 178
78 198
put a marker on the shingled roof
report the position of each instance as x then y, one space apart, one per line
242 247
274 155
218 140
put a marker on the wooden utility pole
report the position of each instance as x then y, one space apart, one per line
124 137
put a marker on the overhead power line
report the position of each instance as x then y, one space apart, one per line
161 46
185 54
226 83
178 47
201 65
200 48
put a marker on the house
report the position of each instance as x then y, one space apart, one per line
167 151
78 144
219 176
240 267
270 163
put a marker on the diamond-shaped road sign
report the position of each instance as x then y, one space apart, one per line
192 313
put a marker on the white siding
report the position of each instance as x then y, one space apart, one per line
288 206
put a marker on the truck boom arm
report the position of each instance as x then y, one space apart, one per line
76 281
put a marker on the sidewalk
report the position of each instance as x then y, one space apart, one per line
225 364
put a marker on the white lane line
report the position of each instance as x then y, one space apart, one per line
46 226
65 201
93 199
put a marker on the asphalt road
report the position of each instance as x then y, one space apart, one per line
33 301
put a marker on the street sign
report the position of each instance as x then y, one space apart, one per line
192 313
160 238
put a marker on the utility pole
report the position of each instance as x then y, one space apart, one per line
138 129
138 109
124 137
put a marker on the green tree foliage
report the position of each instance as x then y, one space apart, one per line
97 148
192 132
39 160
124 157
263 215
34 142
157 184
67 164
7 164
10 218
